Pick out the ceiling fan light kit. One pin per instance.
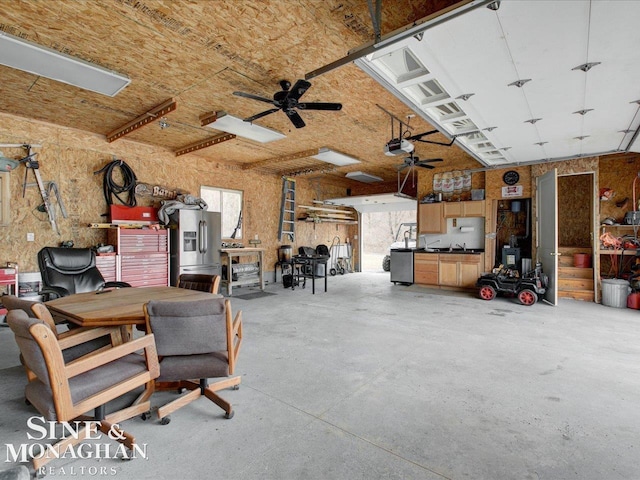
(30, 57)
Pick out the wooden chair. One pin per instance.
(63, 392)
(197, 281)
(195, 340)
(100, 339)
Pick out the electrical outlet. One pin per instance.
(31, 237)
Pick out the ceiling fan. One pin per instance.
(287, 100)
(414, 161)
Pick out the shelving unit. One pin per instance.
(620, 232)
(327, 215)
(228, 254)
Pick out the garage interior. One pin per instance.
(369, 379)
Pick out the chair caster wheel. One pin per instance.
(236, 387)
(145, 416)
(229, 415)
(165, 420)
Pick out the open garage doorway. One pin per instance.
(379, 231)
(380, 216)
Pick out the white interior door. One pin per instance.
(547, 225)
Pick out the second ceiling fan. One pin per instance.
(287, 100)
(414, 161)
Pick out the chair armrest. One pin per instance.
(116, 285)
(146, 343)
(49, 293)
(236, 341)
(77, 336)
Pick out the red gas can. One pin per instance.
(633, 300)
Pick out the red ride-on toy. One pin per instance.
(528, 287)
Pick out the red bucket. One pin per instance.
(633, 301)
(582, 260)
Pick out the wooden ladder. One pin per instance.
(288, 209)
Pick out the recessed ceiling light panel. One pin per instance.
(230, 124)
(33, 58)
(335, 158)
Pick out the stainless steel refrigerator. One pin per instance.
(195, 241)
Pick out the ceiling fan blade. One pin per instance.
(254, 97)
(298, 89)
(319, 106)
(424, 165)
(295, 118)
(260, 115)
(430, 160)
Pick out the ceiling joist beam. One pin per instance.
(286, 158)
(192, 147)
(153, 114)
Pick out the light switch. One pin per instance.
(31, 237)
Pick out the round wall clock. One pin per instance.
(511, 177)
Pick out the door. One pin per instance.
(210, 238)
(189, 230)
(547, 225)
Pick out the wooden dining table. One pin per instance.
(118, 306)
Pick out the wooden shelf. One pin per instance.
(327, 215)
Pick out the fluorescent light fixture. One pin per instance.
(230, 124)
(45, 62)
(336, 158)
(363, 177)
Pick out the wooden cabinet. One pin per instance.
(448, 275)
(464, 209)
(142, 258)
(425, 268)
(448, 269)
(430, 218)
(470, 269)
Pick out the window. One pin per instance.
(229, 204)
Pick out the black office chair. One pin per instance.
(66, 271)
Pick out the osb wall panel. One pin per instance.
(494, 182)
(617, 173)
(70, 157)
(574, 211)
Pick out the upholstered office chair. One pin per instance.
(40, 311)
(64, 392)
(195, 340)
(197, 281)
(66, 271)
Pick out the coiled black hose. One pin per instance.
(112, 189)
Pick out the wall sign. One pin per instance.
(513, 191)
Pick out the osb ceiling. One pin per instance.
(199, 52)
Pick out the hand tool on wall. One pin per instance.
(46, 192)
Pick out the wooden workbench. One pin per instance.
(228, 254)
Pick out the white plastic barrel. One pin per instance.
(615, 292)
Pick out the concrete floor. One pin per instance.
(372, 380)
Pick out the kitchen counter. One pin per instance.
(470, 251)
